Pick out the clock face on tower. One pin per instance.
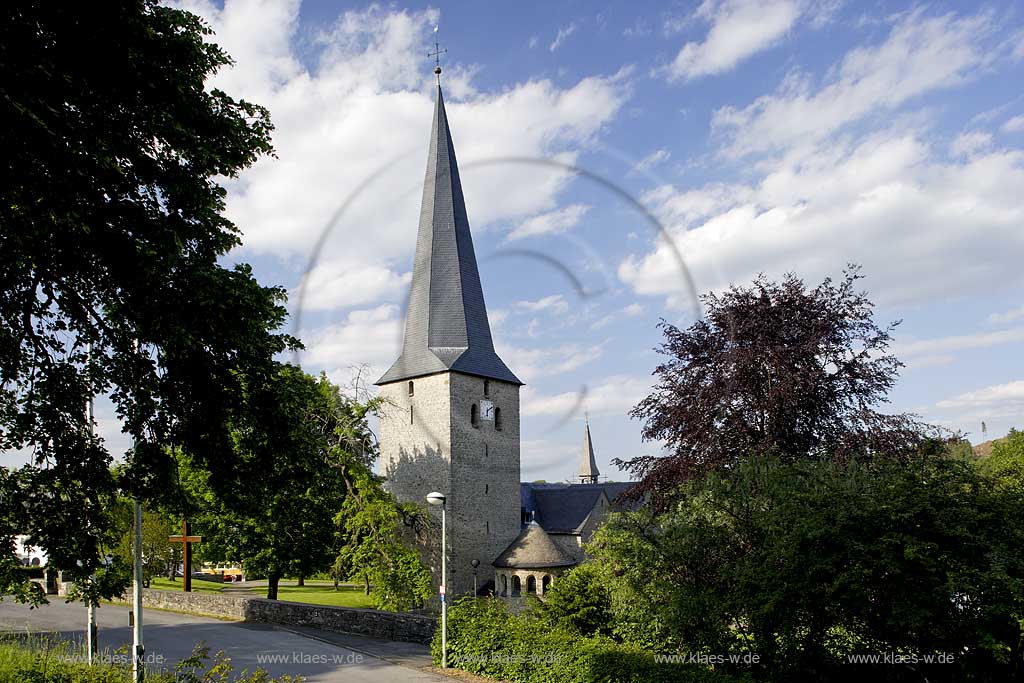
(487, 410)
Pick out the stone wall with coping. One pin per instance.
(401, 626)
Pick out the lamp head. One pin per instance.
(475, 563)
(435, 498)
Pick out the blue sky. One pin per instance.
(765, 136)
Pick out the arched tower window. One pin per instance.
(487, 387)
(474, 415)
(497, 419)
(516, 586)
(531, 584)
(411, 388)
(545, 584)
(410, 414)
(504, 585)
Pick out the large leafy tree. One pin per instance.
(773, 368)
(111, 277)
(808, 562)
(280, 520)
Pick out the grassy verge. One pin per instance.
(42, 659)
(165, 584)
(345, 596)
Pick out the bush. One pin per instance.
(36, 659)
(485, 639)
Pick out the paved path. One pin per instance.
(314, 655)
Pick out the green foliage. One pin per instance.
(41, 660)
(111, 236)
(579, 600)
(157, 551)
(282, 521)
(484, 638)
(1006, 463)
(373, 530)
(805, 563)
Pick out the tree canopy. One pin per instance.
(773, 368)
(112, 233)
(805, 563)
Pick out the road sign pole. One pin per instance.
(444, 587)
(138, 673)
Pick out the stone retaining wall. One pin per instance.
(407, 627)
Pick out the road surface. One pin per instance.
(170, 637)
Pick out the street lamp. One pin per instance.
(474, 564)
(436, 498)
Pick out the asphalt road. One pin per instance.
(170, 637)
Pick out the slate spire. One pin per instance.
(446, 325)
(588, 472)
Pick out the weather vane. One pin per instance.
(436, 54)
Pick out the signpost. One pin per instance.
(186, 540)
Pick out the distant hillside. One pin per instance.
(984, 449)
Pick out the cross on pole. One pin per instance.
(436, 54)
(186, 540)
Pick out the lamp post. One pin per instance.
(474, 564)
(436, 498)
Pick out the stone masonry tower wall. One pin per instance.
(437, 447)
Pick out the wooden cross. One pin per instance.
(186, 540)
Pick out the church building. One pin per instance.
(450, 420)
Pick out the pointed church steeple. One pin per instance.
(588, 473)
(446, 326)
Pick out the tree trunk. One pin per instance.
(173, 569)
(272, 582)
(302, 580)
(335, 582)
(366, 580)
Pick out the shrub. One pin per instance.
(485, 639)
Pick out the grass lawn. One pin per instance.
(164, 584)
(345, 596)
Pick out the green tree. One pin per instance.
(804, 563)
(111, 283)
(1006, 462)
(580, 601)
(376, 532)
(281, 522)
(157, 550)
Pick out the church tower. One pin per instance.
(450, 422)
(588, 472)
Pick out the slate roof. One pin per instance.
(562, 508)
(446, 325)
(533, 549)
(588, 471)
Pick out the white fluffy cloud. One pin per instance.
(923, 353)
(739, 29)
(653, 159)
(1014, 125)
(922, 228)
(352, 123)
(617, 394)
(920, 54)
(998, 400)
(550, 222)
(366, 336)
(1007, 316)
